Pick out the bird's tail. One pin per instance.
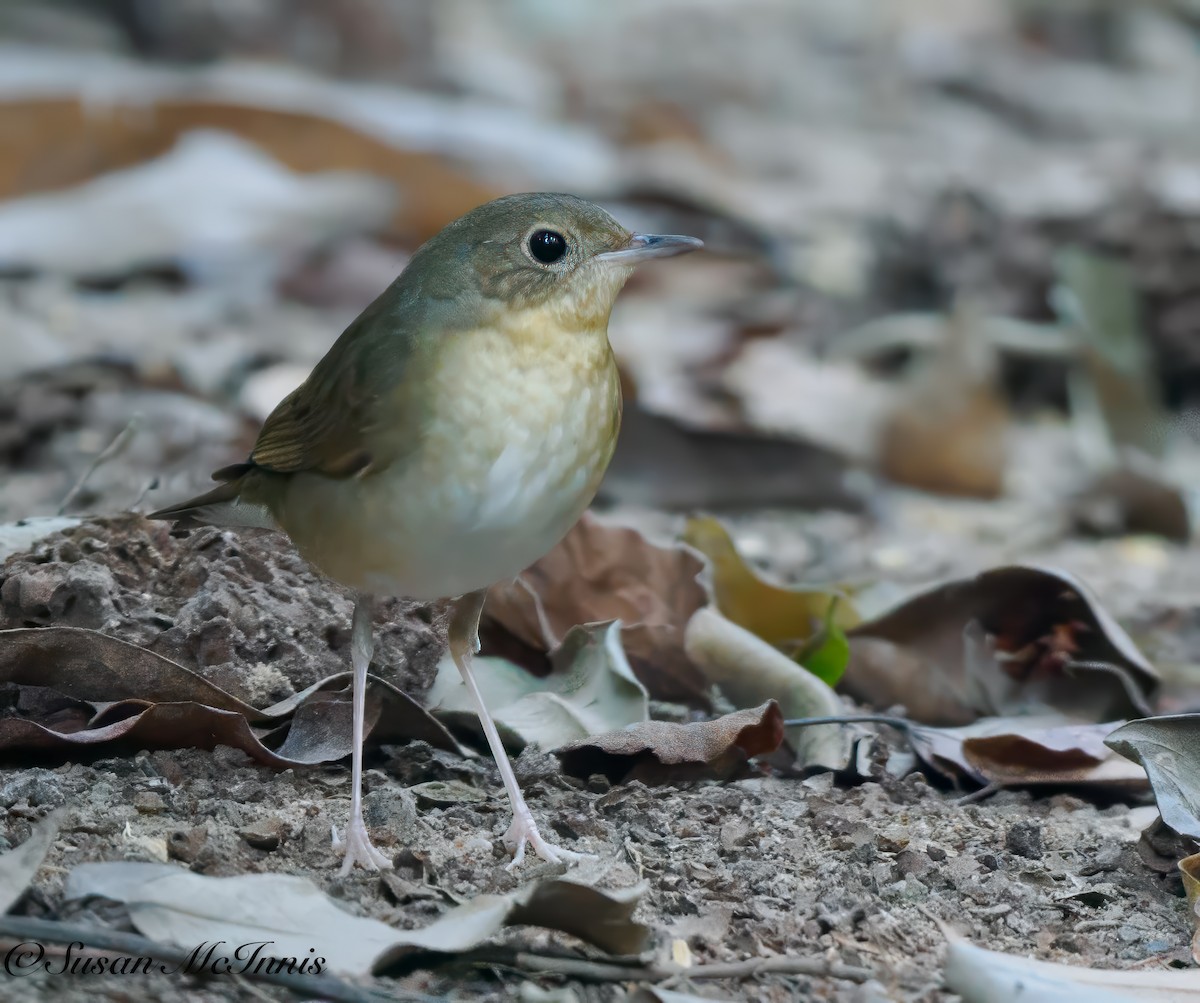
(225, 505)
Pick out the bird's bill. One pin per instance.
(644, 246)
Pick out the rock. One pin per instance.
(185, 844)
(265, 834)
(148, 803)
(394, 811)
(1025, 840)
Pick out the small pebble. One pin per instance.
(148, 803)
(1025, 840)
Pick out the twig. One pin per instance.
(149, 486)
(599, 971)
(549, 638)
(995, 787)
(111, 451)
(309, 986)
(895, 722)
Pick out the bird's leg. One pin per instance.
(464, 642)
(356, 847)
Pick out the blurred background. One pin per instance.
(953, 245)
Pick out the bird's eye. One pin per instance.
(547, 246)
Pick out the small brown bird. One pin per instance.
(451, 436)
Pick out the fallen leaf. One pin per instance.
(1114, 394)
(136, 697)
(948, 428)
(1169, 749)
(601, 572)
(1011, 640)
(214, 205)
(1189, 867)
(982, 976)
(59, 142)
(179, 907)
(749, 671)
(591, 689)
(789, 618)
(663, 462)
(661, 752)
(1134, 497)
(834, 405)
(19, 865)
(1018, 751)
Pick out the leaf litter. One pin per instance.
(1022, 670)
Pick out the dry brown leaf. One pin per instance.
(948, 430)
(661, 752)
(601, 572)
(83, 688)
(1011, 640)
(1017, 751)
(53, 143)
(1132, 498)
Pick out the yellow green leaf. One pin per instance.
(789, 618)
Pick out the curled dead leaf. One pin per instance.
(661, 752)
(601, 572)
(749, 671)
(948, 429)
(1169, 749)
(1011, 640)
(120, 693)
(1017, 751)
(174, 905)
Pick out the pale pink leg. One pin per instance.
(356, 847)
(464, 642)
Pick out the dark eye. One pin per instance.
(547, 246)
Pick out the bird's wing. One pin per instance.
(349, 417)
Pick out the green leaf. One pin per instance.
(827, 652)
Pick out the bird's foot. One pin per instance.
(356, 848)
(524, 831)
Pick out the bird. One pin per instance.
(449, 438)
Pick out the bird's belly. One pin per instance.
(470, 509)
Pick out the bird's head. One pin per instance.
(555, 254)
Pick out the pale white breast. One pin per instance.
(498, 479)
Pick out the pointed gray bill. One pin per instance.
(644, 246)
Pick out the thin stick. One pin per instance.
(27, 929)
(895, 722)
(111, 451)
(599, 971)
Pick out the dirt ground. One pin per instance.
(920, 166)
(857, 873)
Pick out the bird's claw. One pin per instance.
(357, 848)
(524, 831)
